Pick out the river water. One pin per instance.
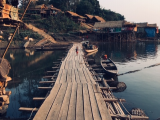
(27, 69)
(143, 86)
(136, 65)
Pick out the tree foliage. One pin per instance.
(87, 7)
(93, 7)
(61, 4)
(59, 23)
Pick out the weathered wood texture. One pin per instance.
(75, 95)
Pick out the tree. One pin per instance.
(39, 2)
(93, 7)
(61, 4)
(85, 7)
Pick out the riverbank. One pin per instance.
(61, 41)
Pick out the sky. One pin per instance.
(135, 10)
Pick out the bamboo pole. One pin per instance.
(15, 31)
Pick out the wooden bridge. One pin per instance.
(75, 95)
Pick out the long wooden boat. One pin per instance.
(91, 50)
(109, 66)
(92, 53)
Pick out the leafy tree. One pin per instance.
(59, 23)
(93, 7)
(85, 7)
(61, 4)
(39, 2)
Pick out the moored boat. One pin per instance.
(109, 66)
(91, 48)
(92, 53)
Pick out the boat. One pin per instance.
(85, 42)
(139, 113)
(92, 53)
(91, 48)
(109, 67)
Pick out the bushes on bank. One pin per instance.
(57, 24)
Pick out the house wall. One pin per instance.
(150, 31)
(140, 30)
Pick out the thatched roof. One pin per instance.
(88, 26)
(100, 19)
(83, 31)
(129, 24)
(50, 6)
(89, 16)
(74, 14)
(109, 24)
(142, 24)
(42, 6)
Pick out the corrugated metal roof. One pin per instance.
(152, 25)
(108, 24)
(142, 24)
(146, 25)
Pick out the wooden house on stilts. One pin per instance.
(147, 31)
(44, 10)
(75, 17)
(115, 31)
(9, 13)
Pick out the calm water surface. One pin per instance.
(27, 69)
(143, 86)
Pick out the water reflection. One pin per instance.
(27, 70)
(142, 85)
(129, 51)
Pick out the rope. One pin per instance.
(15, 31)
(157, 64)
(31, 114)
(126, 110)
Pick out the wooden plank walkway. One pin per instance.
(75, 95)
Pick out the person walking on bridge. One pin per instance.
(77, 50)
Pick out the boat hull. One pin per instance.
(109, 67)
(88, 51)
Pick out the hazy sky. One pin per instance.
(135, 10)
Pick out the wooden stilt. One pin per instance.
(47, 76)
(45, 88)
(52, 71)
(39, 98)
(114, 100)
(28, 109)
(107, 88)
(47, 82)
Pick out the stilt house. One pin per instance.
(50, 10)
(75, 17)
(147, 30)
(88, 18)
(97, 19)
(38, 9)
(115, 31)
(9, 13)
